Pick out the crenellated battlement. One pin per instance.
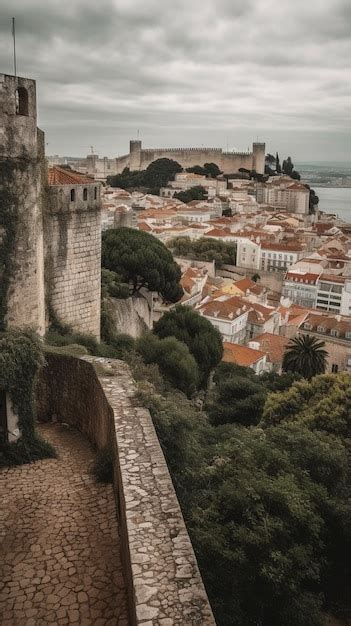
(151, 150)
(243, 154)
(140, 158)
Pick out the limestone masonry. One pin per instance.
(229, 162)
(57, 247)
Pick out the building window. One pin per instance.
(85, 194)
(95, 193)
(334, 332)
(348, 335)
(21, 101)
(335, 368)
(320, 329)
(73, 195)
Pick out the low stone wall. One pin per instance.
(163, 580)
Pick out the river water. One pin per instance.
(335, 200)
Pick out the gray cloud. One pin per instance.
(187, 73)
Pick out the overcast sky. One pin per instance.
(187, 73)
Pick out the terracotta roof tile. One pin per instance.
(241, 355)
(63, 176)
(273, 345)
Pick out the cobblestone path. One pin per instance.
(59, 545)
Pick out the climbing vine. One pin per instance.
(9, 217)
(21, 357)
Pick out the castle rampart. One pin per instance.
(160, 568)
(73, 255)
(22, 171)
(229, 162)
(50, 235)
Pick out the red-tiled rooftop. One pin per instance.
(63, 176)
(273, 345)
(241, 355)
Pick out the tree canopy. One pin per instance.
(267, 506)
(156, 175)
(194, 193)
(141, 260)
(173, 358)
(160, 172)
(205, 249)
(209, 169)
(203, 340)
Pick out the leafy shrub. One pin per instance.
(173, 358)
(203, 340)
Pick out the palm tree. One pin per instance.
(305, 355)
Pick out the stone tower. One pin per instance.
(258, 157)
(72, 239)
(22, 172)
(135, 155)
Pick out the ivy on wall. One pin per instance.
(21, 357)
(9, 217)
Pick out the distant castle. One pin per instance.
(139, 158)
(50, 226)
(228, 162)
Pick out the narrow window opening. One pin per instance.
(95, 193)
(85, 194)
(73, 195)
(21, 101)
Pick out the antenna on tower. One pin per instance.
(14, 45)
(138, 132)
(92, 149)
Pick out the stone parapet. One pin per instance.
(164, 583)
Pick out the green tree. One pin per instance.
(194, 193)
(196, 169)
(156, 175)
(203, 340)
(237, 400)
(278, 168)
(205, 249)
(288, 166)
(174, 360)
(160, 172)
(270, 159)
(141, 260)
(111, 285)
(323, 403)
(306, 356)
(261, 530)
(127, 179)
(212, 170)
(313, 200)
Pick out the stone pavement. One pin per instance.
(59, 543)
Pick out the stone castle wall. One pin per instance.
(228, 162)
(22, 157)
(160, 568)
(73, 257)
(130, 315)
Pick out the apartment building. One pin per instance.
(335, 331)
(229, 315)
(278, 257)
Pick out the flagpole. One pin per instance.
(14, 45)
